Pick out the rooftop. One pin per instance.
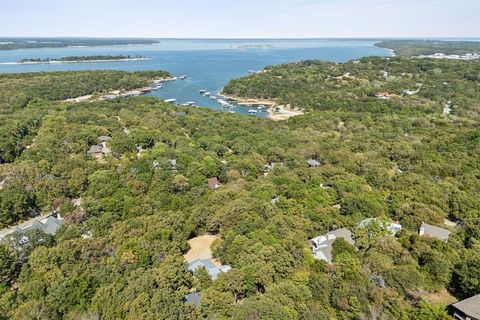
(470, 306)
(212, 269)
(429, 230)
(322, 245)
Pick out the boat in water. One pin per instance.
(252, 112)
(182, 77)
(207, 94)
(202, 91)
(171, 100)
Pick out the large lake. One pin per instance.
(209, 64)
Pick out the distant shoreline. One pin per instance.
(73, 61)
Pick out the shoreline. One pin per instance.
(275, 111)
(117, 93)
(71, 62)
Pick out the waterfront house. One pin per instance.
(213, 183)
(430, 231)
(212, 269)
(394, 228)
(322, 246)
(468, 309)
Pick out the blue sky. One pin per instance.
(240, 18)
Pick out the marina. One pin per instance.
(199, 66)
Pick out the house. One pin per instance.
(173, 164)
(383, 95)
(427, 230)
(97, 151)
(212, 269)
(322, 245)
(394, 228)
(213, 183)
(313, 163)
(47, 223)
(193, 298)
(468, 309)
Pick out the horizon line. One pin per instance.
(246, 38)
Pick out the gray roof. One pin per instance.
(429, 230)
(51, 225)
(95, 149)
(104, 138)
(470, 306)
(193, 298)
(212, 269)
(322, 246)
(48, 224)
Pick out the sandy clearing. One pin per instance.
(200, 249)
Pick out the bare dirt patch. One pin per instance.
(200, 249)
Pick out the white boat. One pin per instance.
(223, 103)
(190, 103)
(202, 91)
(207, 94)
(171, 100)
(231, 111)
(213, 98)
(251, 111)
(182, 77)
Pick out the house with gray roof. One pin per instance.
(322, 246)
(193, 298)
(212, 269)
(468, 309)
(47, 223)
(313, 163)
(430, 231)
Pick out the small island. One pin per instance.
(80, 59)
(251, 46)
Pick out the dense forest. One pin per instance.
(31, 43)
(81, 58)
(410, 48)
(398, 157)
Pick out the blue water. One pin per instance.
(209, 64)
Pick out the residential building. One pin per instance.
(428, 230)
(212, 269)
(47, 223)
(313, 163)
(322, 245)
(468, 309)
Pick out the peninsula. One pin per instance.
(79, 59)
